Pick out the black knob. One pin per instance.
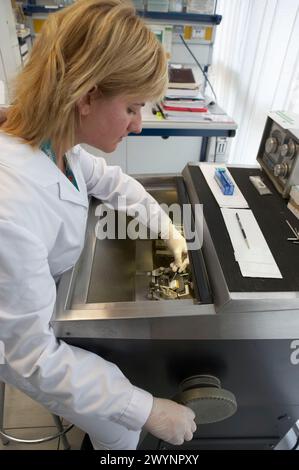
(281, 169)
(271, 145)
(204, 395)
(289, 149)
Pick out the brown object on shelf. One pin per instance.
(181, 78)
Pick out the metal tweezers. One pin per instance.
(295, 232)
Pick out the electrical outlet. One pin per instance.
(218, 149)
(221, 145)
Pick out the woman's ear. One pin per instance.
(94, 93)
(84, 103)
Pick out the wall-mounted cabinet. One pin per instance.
(143, 155)
(198, 30)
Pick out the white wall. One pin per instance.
(255, 67)
(10, 58)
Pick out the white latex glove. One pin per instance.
(177, 244)
(171, 422)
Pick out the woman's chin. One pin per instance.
(111, 148)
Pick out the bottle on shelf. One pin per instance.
(176, 5)
(158, 5)
(205, 7)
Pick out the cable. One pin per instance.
(215, 150)
(202, 70)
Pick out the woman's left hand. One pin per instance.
(177, 244)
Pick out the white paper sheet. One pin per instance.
(237, 200)
(259, 270)
(257, 260)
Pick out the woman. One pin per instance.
(90, 72)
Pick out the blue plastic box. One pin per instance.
(225, 183)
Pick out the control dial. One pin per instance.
(289, 149)
(281, 170)
(271, 145)
(205, 396)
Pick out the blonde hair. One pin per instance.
(92, 43)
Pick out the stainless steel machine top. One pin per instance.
(122, 302)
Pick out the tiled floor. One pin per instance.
(26, 419)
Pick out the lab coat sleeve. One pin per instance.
(69, 381)
(121, 192)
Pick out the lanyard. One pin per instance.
(47, 149)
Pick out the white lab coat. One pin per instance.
(42, 229)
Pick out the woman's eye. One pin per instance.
(131, 111)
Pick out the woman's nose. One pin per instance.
(136, 124)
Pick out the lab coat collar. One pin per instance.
(67, 190)
(38, 167)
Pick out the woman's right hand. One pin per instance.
(3, 112)
(171, 422)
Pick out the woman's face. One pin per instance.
(104, 122)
